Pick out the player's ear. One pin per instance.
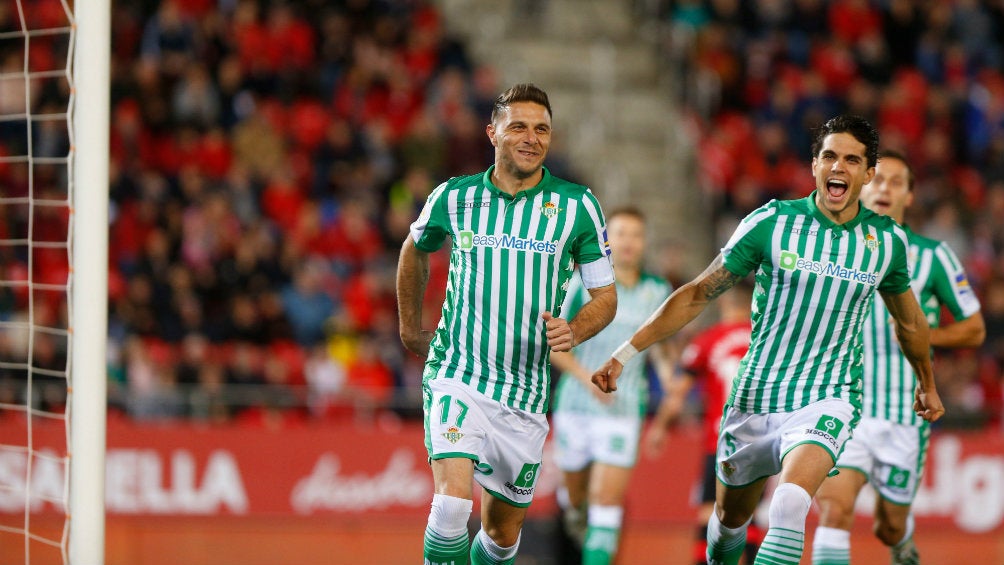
(490, 130)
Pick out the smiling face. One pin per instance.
(840, 169)
(521, 136)
(889, 192)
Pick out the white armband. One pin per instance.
(624, 353)
(598, 273)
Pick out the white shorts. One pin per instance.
(751, 446)
(581, 439)
(506, 444)
(891, 456)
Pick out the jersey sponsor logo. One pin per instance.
(468, 240)
(524, 480)
(550, 210)
(804, 231)
(476, 204)
(453, 434)
(871, 243)
(606, 243)
(791, 261)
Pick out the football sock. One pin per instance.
(785, 537)
(602, 535)
(831, 546)
(905, 552)
(446, 537)
(573, 518)
(725, 545)
(484, 551)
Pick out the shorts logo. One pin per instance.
(617, 444)
(528, 475)
(898, 477)
(728, 468)
(828, 428)
(830, 425)
(453, 434)
(525, 480)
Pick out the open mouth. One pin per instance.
(836, 188)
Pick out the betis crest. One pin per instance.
(550, 209)
(453, 434)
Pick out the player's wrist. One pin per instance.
(625, 352)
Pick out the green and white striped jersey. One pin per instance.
(815, 283)
(938, 279)
(512, 259)
(634, 305)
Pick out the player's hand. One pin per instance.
(927, 404)
(606, 377)
(586, 378)
(559, 333)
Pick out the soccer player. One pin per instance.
(890, 444)
(517, 233)
(818, 261)
(710, 359)
(597, 435)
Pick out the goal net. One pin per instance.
(53, 269)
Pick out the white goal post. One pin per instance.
(89, 292)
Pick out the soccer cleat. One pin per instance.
(905, 554)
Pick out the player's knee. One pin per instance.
(834, 511)
(889, 532)
(789, 506)
(503, 537)
(449, 515)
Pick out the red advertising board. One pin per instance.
(345, 471)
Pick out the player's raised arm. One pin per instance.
(685, 304)
(412, 277)
(912, 331)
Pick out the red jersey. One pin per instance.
(712, 358)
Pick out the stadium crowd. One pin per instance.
(268, 157)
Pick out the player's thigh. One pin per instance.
(453, 476)
(806, 465)
(836, 497)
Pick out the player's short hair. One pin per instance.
(893, 154)
(524, 92)
(860, 128)
(632, 211)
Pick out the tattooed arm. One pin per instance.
(677, 311)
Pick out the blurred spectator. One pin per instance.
(308, 305)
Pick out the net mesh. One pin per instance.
(36, 157)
